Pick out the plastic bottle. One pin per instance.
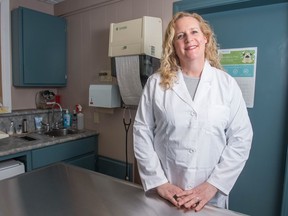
(66, 119)
(80, 118)
(74, 120)
(19, 129)
(24, 127)
(11, 130)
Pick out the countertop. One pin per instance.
(63, 189)
(17, 143)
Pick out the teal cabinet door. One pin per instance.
(87, 162)
(81, 152)
(38, 48)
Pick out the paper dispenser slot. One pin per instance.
(128, 49)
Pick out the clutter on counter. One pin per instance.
(80, 117)
(3, 135)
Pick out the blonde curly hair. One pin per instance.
(170, 63)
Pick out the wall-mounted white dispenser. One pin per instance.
(104, 95)
(135, 48)
(135, 37)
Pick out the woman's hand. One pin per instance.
(197, 197)
(168, 191)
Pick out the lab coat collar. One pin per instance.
(206, 75)
(205, 82)
(204, 85)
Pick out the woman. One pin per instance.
(192, 133)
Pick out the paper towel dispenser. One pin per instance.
(135, 48)
(105, 96)
(135, 37)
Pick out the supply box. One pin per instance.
(135, 37)
(11, 168)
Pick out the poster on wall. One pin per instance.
(240, 63)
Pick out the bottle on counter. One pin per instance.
(19, 129)
(66, 119)
(80, 117)
(11, 129)
(74, 120)
(24, 126)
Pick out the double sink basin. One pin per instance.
(61, 132)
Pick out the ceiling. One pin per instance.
(51, 1)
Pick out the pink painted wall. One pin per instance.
(88, 35)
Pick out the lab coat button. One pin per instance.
(192, 150)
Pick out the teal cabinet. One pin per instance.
(39, 49)
(87, 161)
(80, 152)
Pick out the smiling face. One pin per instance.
(189, 41)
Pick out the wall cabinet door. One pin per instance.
(38, 48)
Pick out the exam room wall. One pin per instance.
(88, 39)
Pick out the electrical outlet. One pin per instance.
(105, 76)
(108, 78)
(102, 78)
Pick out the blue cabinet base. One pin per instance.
(81, 152)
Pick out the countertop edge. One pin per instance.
(16, 144)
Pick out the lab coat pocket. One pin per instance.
(213, 137)
(218, 118)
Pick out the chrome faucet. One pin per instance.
(55, 124)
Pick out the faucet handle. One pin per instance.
(46, 126)
(58, 124)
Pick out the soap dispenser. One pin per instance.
(66, 119)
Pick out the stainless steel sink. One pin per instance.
(61, 132)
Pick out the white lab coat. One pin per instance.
(187, 142)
